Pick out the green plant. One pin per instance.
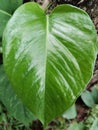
(77, 126)
(44, 57)
(13, 104)
(92, 119)
(90, 98)
(7, 122)
(71, 113)
(7, 8)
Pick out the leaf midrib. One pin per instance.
(47, 32)
(6, 13)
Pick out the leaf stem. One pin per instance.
(45, 4)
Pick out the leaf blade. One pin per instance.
(10, 6)
(4, 17)
(50, 60)
(12, 103)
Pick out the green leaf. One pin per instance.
(4, 17)
(10, 5)
(49, 59)
(70, 113)
(7, 7)
(76, 126)
(13, 104)
(95, 125)
(0, 50)
(94, 93)
(88, 99)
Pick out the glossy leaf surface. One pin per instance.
(50, 56)
(13, 104)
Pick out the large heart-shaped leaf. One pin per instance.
(50, 56)
(13, 104)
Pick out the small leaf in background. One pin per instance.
(70, 113)
(94, 93)
(44, 57)
(92, 116)
(7, 7)
(4, 17)
(10, 6)
(77, 126)
(88, 99)
(95, 125)
(13, 104)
